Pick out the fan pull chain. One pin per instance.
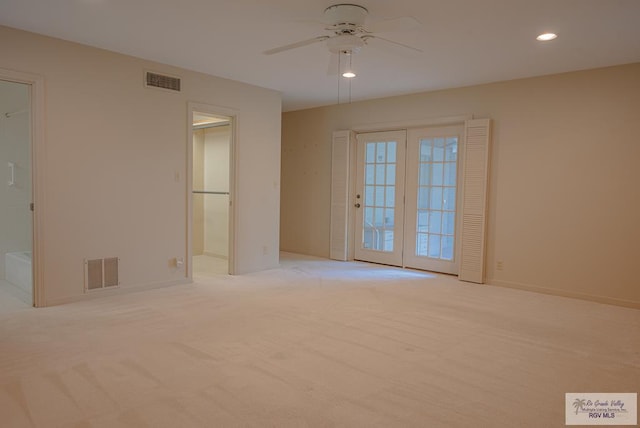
(338, 74)
(350, 69)
(350, 90)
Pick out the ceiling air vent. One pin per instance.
(162, 81)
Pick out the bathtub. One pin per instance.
(18, 271)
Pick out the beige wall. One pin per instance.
(564, 200)
(115, 163)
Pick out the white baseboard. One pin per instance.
(116, 291)
(565, 293)
(216, 255)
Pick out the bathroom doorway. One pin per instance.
(212, 142)
(16, 195)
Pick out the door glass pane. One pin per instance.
(368, 216)
(425, 174)
(380, 173)
(369, 174)
(449, 174)
(378, 217)
(379, 201)
(435, 221)
(423, 198)
(371, 153)
(436, 216)
(379, 196)
(388, 240)
(438, 149)
(449, 198)
(434, 246)
(452, 149)
(368, 195)
(448, 223)
(422, 244)
(447, 248)
(368, 239)
(381, 153)
(425, 150)
(436, 176)
(423, 221)
(391, 196)
(391, 152)
(389, 218)
(436, 198)
(391, 174)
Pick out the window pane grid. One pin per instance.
(379, 200)
(436, 197)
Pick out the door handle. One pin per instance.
(357, 205)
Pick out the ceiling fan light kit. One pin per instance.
(345, 42)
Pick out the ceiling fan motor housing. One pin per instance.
(340, 14)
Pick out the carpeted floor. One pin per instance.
(316, 343)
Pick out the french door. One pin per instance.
(380, 197)
(407, 198)
(432, 199)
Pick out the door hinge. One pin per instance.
(31, 206)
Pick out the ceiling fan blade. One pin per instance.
(396, 24)
(368, 37)
(295, 45)
(332, 68)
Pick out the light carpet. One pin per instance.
(315, 343)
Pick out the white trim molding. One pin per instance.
(415, 123)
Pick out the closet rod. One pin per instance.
(206, 192)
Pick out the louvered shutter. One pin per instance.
(339, 195)
(474, 199)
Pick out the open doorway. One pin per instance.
(212, 139)
(16, 218)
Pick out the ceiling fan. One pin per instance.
(347, 22)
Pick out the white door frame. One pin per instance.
(37, 175)
(233, 168)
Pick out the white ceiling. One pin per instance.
(465, 42)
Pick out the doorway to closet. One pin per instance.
(212, 138)
(16, 196)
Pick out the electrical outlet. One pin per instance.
(176, 263)
(499, 265)
(265, 250)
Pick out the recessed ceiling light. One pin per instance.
(349, 74)
(546, 37)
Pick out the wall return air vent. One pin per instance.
(101, 273)
(162, 81)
